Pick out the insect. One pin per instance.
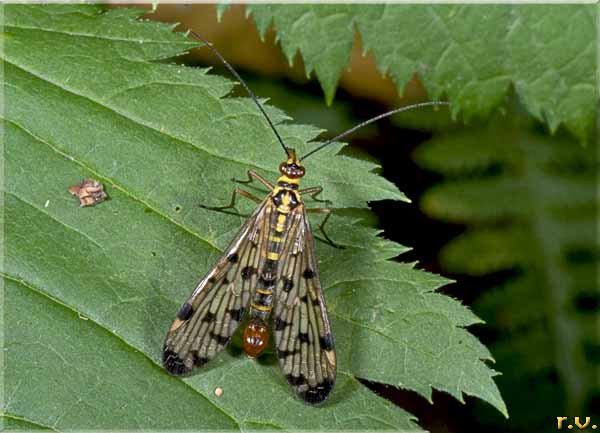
(267, 275)
(90, 192)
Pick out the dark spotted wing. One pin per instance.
(303, 338)
(208, 319)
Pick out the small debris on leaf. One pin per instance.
(90, 192)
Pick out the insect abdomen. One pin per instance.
(256, 337)
(262, 300)
(256, 334)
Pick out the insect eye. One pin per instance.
(293, 170)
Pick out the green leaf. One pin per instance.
(547, 52)
(90, 292)
(530, 204)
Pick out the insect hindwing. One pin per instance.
(208, 319)
(303, 338)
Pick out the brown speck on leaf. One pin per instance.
(89, 192)
(218, 391)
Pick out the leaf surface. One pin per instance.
(470, 54)
(90, 292)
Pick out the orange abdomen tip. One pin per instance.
(256, 337)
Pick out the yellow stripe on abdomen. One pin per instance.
(261, 307)
(280, 226)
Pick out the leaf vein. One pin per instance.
(129, 116)
(22, 418)
(115, 184)
(41, 210)
(186, 43)
(46, 294)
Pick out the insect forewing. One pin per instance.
(303, 338)
(207, 320)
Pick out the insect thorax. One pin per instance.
(285, 196)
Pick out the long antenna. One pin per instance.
(244, 85)
(374, 119)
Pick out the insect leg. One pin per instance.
(231, 205)
(314, 191)
(328, 213)
(252, 174)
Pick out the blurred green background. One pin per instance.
(499, 205)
